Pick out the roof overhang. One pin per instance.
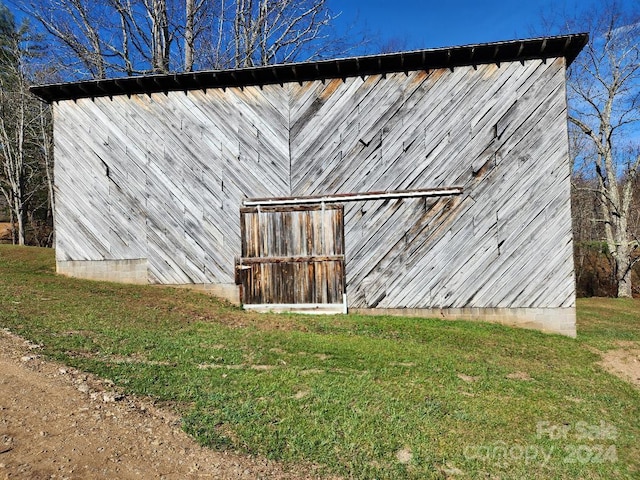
(567, 46)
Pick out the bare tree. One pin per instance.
(104, 38)
(12, 121)
(23, 121)
(13, 165)
(160, 34)
(111, 37)
(189, 27)
(278, 31)
(44, 141)
(604, 99)
(77, 26)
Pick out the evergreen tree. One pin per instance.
(8, 37)
(25, 138)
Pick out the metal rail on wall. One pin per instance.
(352, 197)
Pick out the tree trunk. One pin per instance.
(623, 277)
(47, 151)
(19, 179)
(18, 213)
(12, 222)
(624, 286)
(189, 35)
(160, 36)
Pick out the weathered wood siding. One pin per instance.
(162, 177)
(500, 132)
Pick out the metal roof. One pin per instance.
(567, 46)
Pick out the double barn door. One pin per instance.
(292, 257)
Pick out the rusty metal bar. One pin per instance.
(353, 197)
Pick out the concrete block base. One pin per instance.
(548, 320)
(135, 272)
(226, 291)
(120, 271)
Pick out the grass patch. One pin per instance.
(364, 397)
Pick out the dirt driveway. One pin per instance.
(58, 423)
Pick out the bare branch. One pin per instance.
(605, 88)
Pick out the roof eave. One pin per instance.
(567, 46)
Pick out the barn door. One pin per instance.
(292, 258)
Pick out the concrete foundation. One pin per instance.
(548, 320)
(135, 272)
(120, 271)
(226, 291)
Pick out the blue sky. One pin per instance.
(426, 24)
(416, 24)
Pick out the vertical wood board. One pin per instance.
(292, 255)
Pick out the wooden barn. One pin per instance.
(427, 183)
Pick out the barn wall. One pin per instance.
(500, 132)
(158, 180)
(162, 177)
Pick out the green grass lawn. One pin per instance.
(363, 397)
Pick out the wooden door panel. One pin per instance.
(292, 255)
